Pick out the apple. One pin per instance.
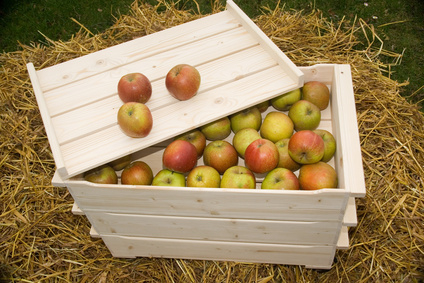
(180, 156)
(261, 156)
(276, 126)
(285, 161)
(121, 162)
(305, 115)
(196, 138)
(306, 147)
(243, 138)
(248, 118)
(137, 173)
(183, 81)
(317, 176)
(169, 178)
(263, 106)
(317, 93)
(220, 155)
(102, 175)
(135, 119)
(204, 177)
(280, 179)
(284, 101)
(134, 87)
(329, 144)
(217, 130)
(238, 177)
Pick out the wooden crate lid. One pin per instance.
(239, 65)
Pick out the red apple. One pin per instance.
(276, 126)
(261, 156)
(196, 138)
(134, 87)
(121, 162)
(220, 155)
(169, 178)
(217, 130)
(280, 179)
(248, 118)
(243, 138)
(135, 119)
(317, 93)
(183, 81)
(238, 177)
(306, 147)
(285, 161)
(204, 177)
(180, 156)
(317, 176)
(305, 115)
(102, 175)
(330, 144)
(137, 173)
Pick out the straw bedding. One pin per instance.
(42, 241)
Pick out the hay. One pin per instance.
(42, 241)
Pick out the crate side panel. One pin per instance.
(313, 255)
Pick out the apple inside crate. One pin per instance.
(283, 227)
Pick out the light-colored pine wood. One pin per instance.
(350, 218)
(76, 210)
(93, 233)
(343, 241)
(316, 256)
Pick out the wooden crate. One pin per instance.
(240, 67)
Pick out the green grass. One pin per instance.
(399, 23)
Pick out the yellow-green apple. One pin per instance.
(180, 156)
(220, 155)
(248, 118)
(306, 147)
(276, 126)
(137, 173)
(183, 81)
(135, 119)
(134, 87)
(217, 130)
(280, 179)
(121, 162)
(285, 161)
(261, 156)
(330, 144)
(169, 178)
(204, 177)
(317, 176)
(243, 138)
(284, 101)
(263, 106)
(317, 93)
(238, 177)
(102, 175)
(195, 137)
(305, 115)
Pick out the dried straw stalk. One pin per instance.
(41, 241)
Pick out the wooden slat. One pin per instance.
(343, 241)
(350, 218)
(313, 256)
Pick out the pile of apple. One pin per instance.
(286, 141)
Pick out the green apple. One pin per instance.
(276, 126)
(285, 101)
(102, 175)
(196, 138)
(317, 93)
(121, 163)
(217, 130)
(280, 179)
(220, 155)
(169, 178)
(329, 144)
(263, 106)
(306, 147)
(285, 161)
(204, 177)
(137, 173)
(305, 115)
(238, 177)
(243, 138)
(248, 118)
(317, 176)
